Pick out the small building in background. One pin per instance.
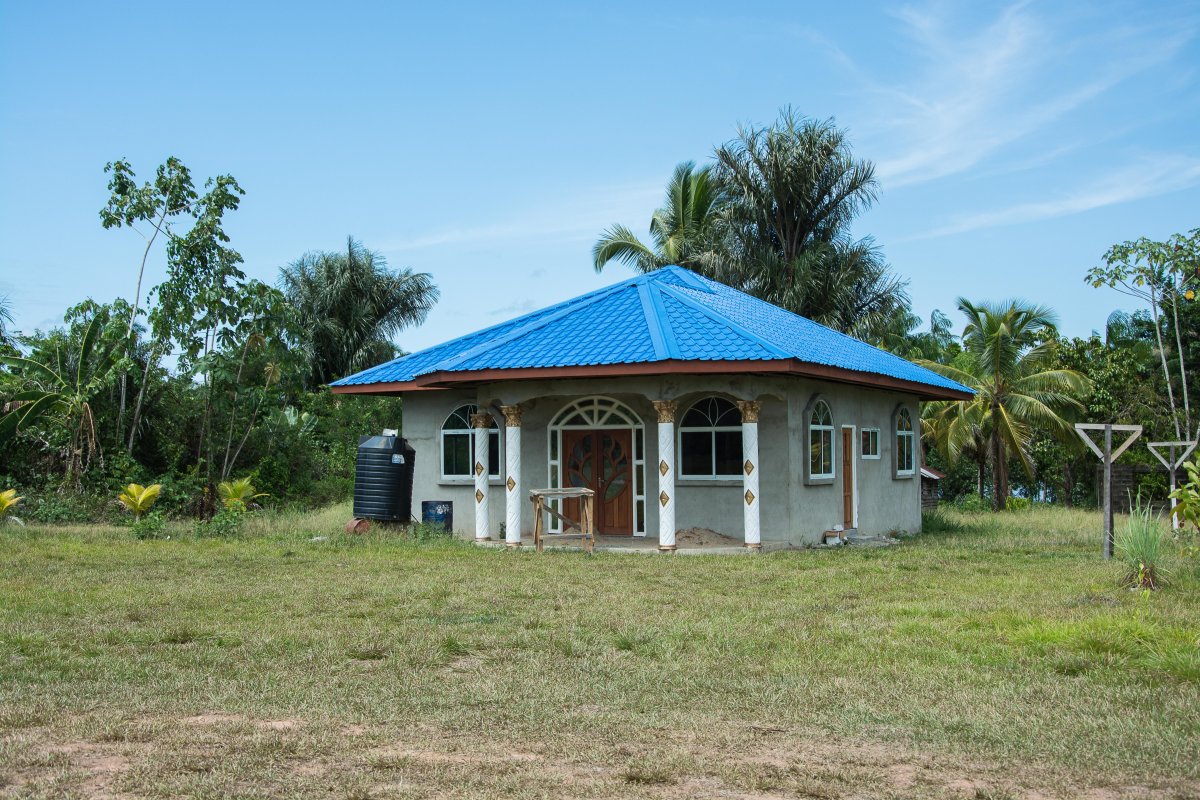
(930, 487)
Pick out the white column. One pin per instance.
(512, 467)
(666, 474)
(482, 423)
(750, 513)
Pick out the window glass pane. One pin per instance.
(641, 478)
(826, 452)
(456, 454)
(696, 417)
(641, 515)
(639, 445)
(695, 452)
(554, 445)
(494, 454)
(814, 452)
(729, 452)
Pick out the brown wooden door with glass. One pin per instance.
(601, 460)
(847, 477)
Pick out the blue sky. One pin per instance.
(489, 144)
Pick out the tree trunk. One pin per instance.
(137, 408)
(1068, 485)
(999, 497)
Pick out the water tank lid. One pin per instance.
(390, 431)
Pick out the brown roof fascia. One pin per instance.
(444, 380)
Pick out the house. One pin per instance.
(682, 402)
(930, 489)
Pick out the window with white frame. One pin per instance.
(869, 438)
(906, 441)
(458, 445)
(710, 440)
(820, 441)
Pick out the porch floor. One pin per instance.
(644, 545)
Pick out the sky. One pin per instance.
(489, 144)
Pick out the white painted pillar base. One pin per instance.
(750, 472)
(512, 481)
(482, 424)
(666, 474)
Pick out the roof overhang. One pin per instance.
(791, 366)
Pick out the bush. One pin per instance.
(1018, 504)
(150, 526)
(1140, 545)
(225, 524)
(972, 504)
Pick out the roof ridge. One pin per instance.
(726, 321)
(659, 335)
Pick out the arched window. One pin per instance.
(710, 440)
(820, 441)
(906, 453)
(458, 445)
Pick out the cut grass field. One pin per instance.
(990, 657)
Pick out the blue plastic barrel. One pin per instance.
(438, 512)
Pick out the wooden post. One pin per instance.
(1108, 456)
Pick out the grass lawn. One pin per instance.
(991, 657)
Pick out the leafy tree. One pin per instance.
(1008, 360)
(62, 390)
(6, 321)
(350, 306)
(681, 231)
(1165, 275)
(795, 188)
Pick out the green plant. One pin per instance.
(1018, 504)
(225, 524)
(139, 499)
(1187, 496)
(972, 504)
(1140, 545)
(239, 495)
(151, 525)
(8, 501)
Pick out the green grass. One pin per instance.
(991, 656)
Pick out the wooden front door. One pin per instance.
(601, 460)
(848, 477)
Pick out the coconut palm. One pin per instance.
(680, 230)
(351, 305)
(6, 320)
(1008, 351)
(794, 189)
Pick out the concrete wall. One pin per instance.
(791, 510)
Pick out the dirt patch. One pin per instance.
(214, 718)
(703, 537)
(101, 763)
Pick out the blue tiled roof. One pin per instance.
(670, 314)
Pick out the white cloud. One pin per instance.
(1148, 177)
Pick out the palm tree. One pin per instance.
(794, 189)
(351, 305)
(6, 320)
(64, 389)
(680, 229)
(1008, 351)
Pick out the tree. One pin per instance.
(195, 258)
(6, 320)
(681, 230)
(1008, 360)
(794, 189)
(350, 306)
(62, 389)
(1164, 275)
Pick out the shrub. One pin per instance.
(151, 525)
(225, 524)
(1187, 496)
(9, 501)
(238, 495)
(1018, 504)
(1140, 545)
(972, 504)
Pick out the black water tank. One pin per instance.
(383, 478)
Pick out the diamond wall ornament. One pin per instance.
(664, 498)
(663, 468)
(749, 497)
(478, 468)
(478, 496)
(511, 483)
(748, 466)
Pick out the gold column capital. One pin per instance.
(666, 409)
(512, 415)
(749, 409)
(482, 419)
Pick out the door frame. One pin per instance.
(600, 409)
(854, 448)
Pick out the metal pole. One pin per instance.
(1108, 510)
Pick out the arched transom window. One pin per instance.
(906, 453)
(710, 440)
(820, 441)
(458, 445)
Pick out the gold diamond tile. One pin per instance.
(478, 468)
(511, 483)
(478, 496)
(663, 469)
(749, 497)
(748, 466)
(664, 498)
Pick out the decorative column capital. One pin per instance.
(749, 409)
(512, 415)
(666, 410)
(482, 419)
